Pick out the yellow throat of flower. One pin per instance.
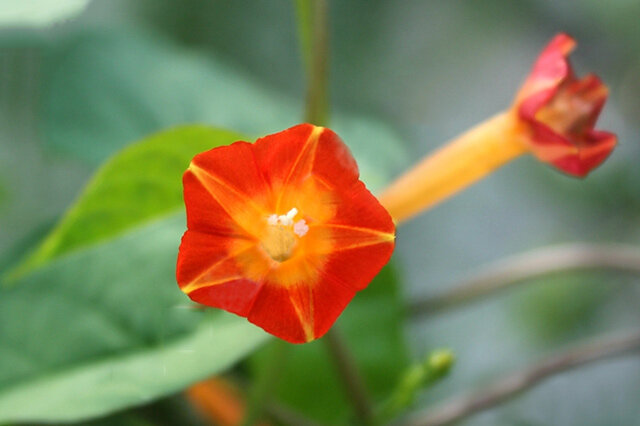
(282, 235)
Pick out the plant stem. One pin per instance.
(511, 385)
(305, 25)
(523, 267)
(266, 383)
(348, 373)
(317, 112)
(317, 106)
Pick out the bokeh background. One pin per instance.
(409, 75)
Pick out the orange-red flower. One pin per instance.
(552, 117)
(281, 231)
(561, 110)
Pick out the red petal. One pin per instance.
(334, 162)
(273, 310)
(290, 157)
(286, 155)
(235, 165)
(549, 70)
(598, 147)
(204, 213)
(235, 296)
(560, 112)
(356, 206)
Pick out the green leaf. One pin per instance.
(103, 90)
(106, 328)
(39, 12)
(373, 328)
(139, 184)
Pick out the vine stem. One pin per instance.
(511, 385)
(316, 15)
(317, 104)
(348, 373)
(534, 264)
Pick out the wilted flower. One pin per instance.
(561, 110)
(552, 117)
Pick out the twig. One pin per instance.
(348, 373)
(511, 385)
(537, 263)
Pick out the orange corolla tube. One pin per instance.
(281, 231)
(553, 118)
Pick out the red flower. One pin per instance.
(281, 231)
(560, 111)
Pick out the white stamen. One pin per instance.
(284, 220)
(292, 213)
(300, 228)
(273, 219)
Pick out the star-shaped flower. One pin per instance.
(281, 231)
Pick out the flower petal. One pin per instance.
(549, 70)
(274, 311)
(559, 112)
(230, 176)
(356, 206)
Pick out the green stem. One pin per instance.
(348, 373)
(313, 28)
(305, 25)
(266, 383)
(317, 106)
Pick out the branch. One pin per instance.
(537, 263)
(348, 373)
(511, 385)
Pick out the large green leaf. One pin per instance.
(139, 184)
(103, 90)
(106, 328)
(372, 326)
(38, 12)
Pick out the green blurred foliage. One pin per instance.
(139, 184)
(562, 307)
(126, 84)
(38, 12)
(107, 328)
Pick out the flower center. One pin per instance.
(282, 235)
(571, 110)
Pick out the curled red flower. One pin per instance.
(281, 231)
(561, 111)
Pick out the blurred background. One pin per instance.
(408, 75)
